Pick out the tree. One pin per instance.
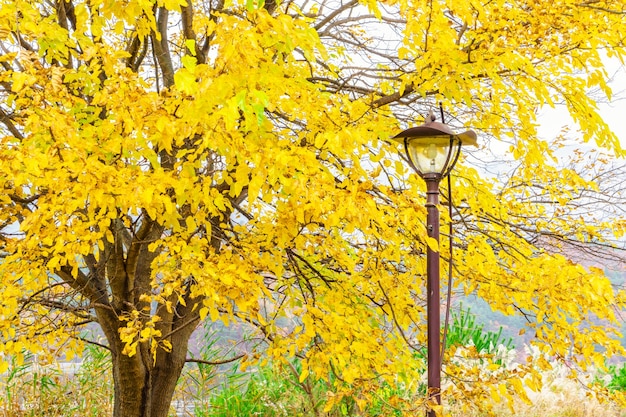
(165, 163)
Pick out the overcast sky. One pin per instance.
(614, 113)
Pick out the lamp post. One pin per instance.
(432, 150)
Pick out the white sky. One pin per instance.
(552, 120)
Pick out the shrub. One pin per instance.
(464, 331)
(617, 378)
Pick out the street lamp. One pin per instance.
(432, 150)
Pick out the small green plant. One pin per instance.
(268, 391)
(618, 378)
(465, 332)
(94, 383)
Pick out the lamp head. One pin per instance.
(433, 148)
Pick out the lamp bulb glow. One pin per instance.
(431, 153)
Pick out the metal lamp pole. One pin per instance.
(432, 291)
(432, 149)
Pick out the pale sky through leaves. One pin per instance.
(553, 120)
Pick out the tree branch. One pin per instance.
(161, 48)
(214, 363)
(6, 120)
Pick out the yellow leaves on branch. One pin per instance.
(529, 54)
(139, 331)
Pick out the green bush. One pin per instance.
(618, 378)
(464, 331)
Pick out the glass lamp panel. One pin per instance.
(430, 155)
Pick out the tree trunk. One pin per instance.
(144, 383)
(143, 390)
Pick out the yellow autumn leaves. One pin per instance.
(237, 163)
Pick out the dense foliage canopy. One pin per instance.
(169, 162)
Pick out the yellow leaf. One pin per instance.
(215, 314)
(147, 195)
(432, 244)
(185, 81)
(189, 62)
(495, 395)
(303, 375)
(53, 263)
(191, 46)
(20, 80)
(166, 345)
